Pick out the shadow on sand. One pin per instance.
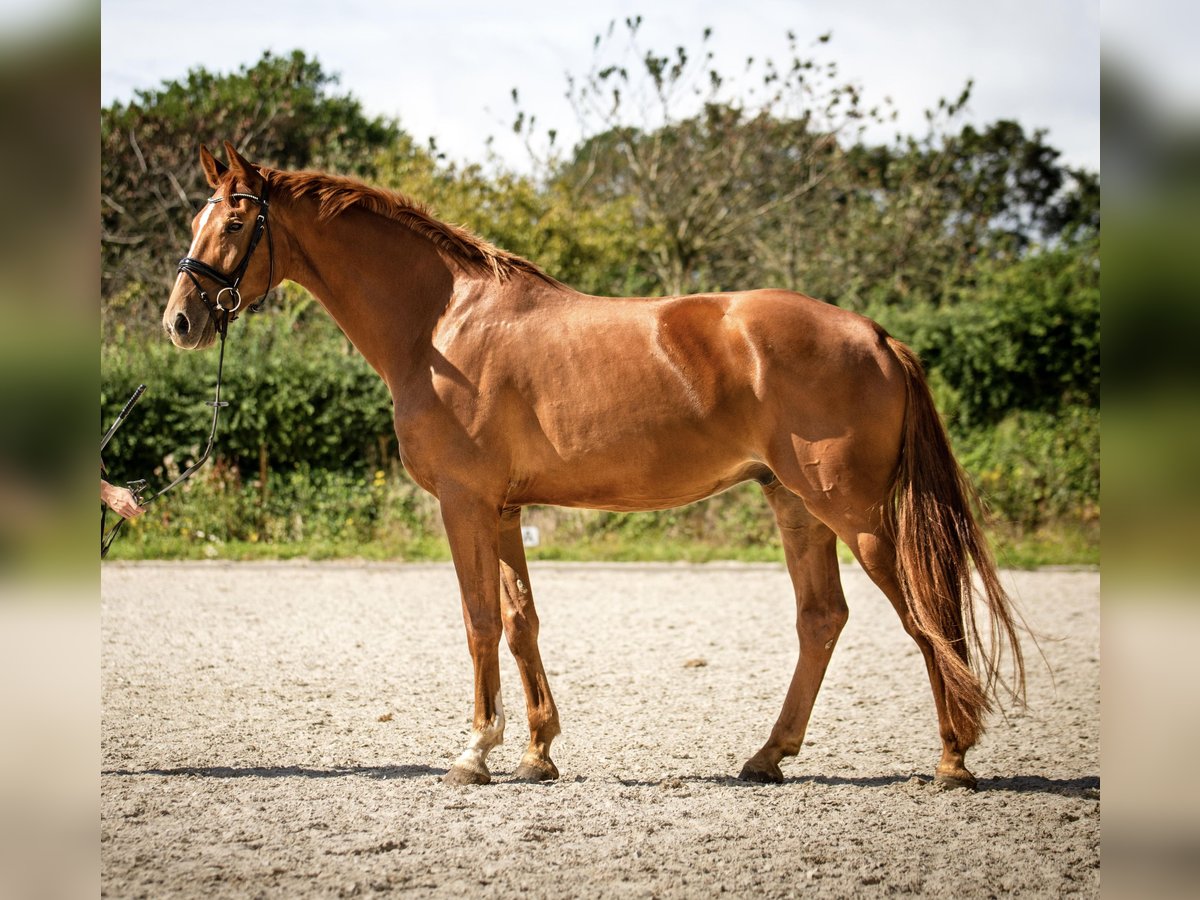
(380, 772)
(1087, 786)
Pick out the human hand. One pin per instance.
(120, 500)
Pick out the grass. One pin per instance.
(379, 516)
(1061, 544)
(1064, 544)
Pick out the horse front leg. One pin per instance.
(521, 629)
(472, 528)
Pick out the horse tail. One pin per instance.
(937, 538)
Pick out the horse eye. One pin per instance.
(233, 227)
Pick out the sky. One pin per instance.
(447, 69)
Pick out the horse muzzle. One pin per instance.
(190, 329)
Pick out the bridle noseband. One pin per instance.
(191, 267)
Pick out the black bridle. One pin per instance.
(222, 316)
(191, 267)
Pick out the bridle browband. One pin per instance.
(191, 267)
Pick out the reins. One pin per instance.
(222, 316)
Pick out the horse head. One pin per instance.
(221, 265)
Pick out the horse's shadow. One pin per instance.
(385, 773)
(1087, 786)
(1016, 784)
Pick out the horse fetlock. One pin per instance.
(471, 766)
(489, 733)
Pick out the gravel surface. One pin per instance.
(280, 730)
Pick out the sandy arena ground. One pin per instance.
(280, 730)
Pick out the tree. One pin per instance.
(911, 222)
(701, 163)
(766, 180)
(587, 245)
(281, 111)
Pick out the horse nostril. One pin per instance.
(181, 325)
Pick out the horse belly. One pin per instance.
(634, 463)
(626, 488)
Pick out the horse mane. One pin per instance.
(336, 193)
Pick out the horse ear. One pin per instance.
(214, 169)
(243, 168)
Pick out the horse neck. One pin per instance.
(384, 285)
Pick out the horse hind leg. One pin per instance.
(867, 535)
(876, 553)
(810, 550)
(521, 630)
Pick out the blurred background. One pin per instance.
(1151, 618)
(49, 270)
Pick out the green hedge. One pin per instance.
(1036, 468)
(1026, 337)
(299, 394)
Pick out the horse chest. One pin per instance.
(436, 446)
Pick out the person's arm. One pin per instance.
(119, 500)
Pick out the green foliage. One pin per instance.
(298, 395)
(1038, 467)
(1025, 336)
(913, 222)
(281, 111)
(310, 512)
(590, 246)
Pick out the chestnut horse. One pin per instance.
(512, 389)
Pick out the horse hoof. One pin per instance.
(761, 773)
(463, 775)
(954, 780)
(536, 770)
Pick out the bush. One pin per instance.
(298, 396)
(1035, 468)
(304, 511)
(1027, 336)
